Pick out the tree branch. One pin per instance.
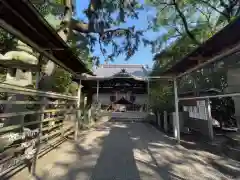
(215, 9)
(101, 48)
(179, 32)
(117, 32)
(82, 27)
(185, 24)
(207, 17)
(238, 11)
(230, 7)
(93, 6)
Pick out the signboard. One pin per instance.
(198, 111)
(13, 162)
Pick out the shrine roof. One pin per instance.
(108, 70)
(135, 72)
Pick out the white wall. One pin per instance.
(104, 98)
(199, 111)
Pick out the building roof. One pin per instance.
(116, 77)
(20, 18)
(135, 72)
(201, 92)
(108, 70)
(225, 39)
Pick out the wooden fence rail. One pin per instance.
(53, 118)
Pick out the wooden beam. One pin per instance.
(18, 64)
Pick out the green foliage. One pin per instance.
(188, 23)
(7, 41)
(198, 20)
(49, 6)
(62, 79)
(52, 12)
(73, 88)
(161, 96)
(103, 25)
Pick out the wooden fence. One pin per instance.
(46, 120)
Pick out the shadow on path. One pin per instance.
(134, 151)
(116, 160)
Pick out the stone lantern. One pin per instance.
(20, 64)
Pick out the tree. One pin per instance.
(7, 41)
(199, 20)
(161, 96)
(102, 25)
(188, 23)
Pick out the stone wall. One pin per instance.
(133, 116)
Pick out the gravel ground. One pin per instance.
(130, 151)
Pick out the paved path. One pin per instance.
(130, 151)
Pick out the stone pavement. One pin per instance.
(130, 151)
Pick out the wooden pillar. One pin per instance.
(41, 118)
(158, 119)
(85, 115)
(176, 118)
(78, 116)
(90, 115)
(97, 91)
(148, 93)
(165, 121)
(209, 118)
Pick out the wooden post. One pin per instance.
(148, 92)
(158, 119)
(176, 118)
(78, 116)
(90, 115)
(165, 121)
(97, 91)
(209, 118)
(84, 107)
(41, 118)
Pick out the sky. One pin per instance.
(144, 55)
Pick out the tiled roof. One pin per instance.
(108, 70)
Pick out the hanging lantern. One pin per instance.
(112, 98)
(132, 98)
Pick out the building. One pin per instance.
(118, 86)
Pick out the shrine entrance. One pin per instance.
(120, 90)
(123, 105)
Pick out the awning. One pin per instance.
(20, 18)
(225, 39)
(201, 92)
